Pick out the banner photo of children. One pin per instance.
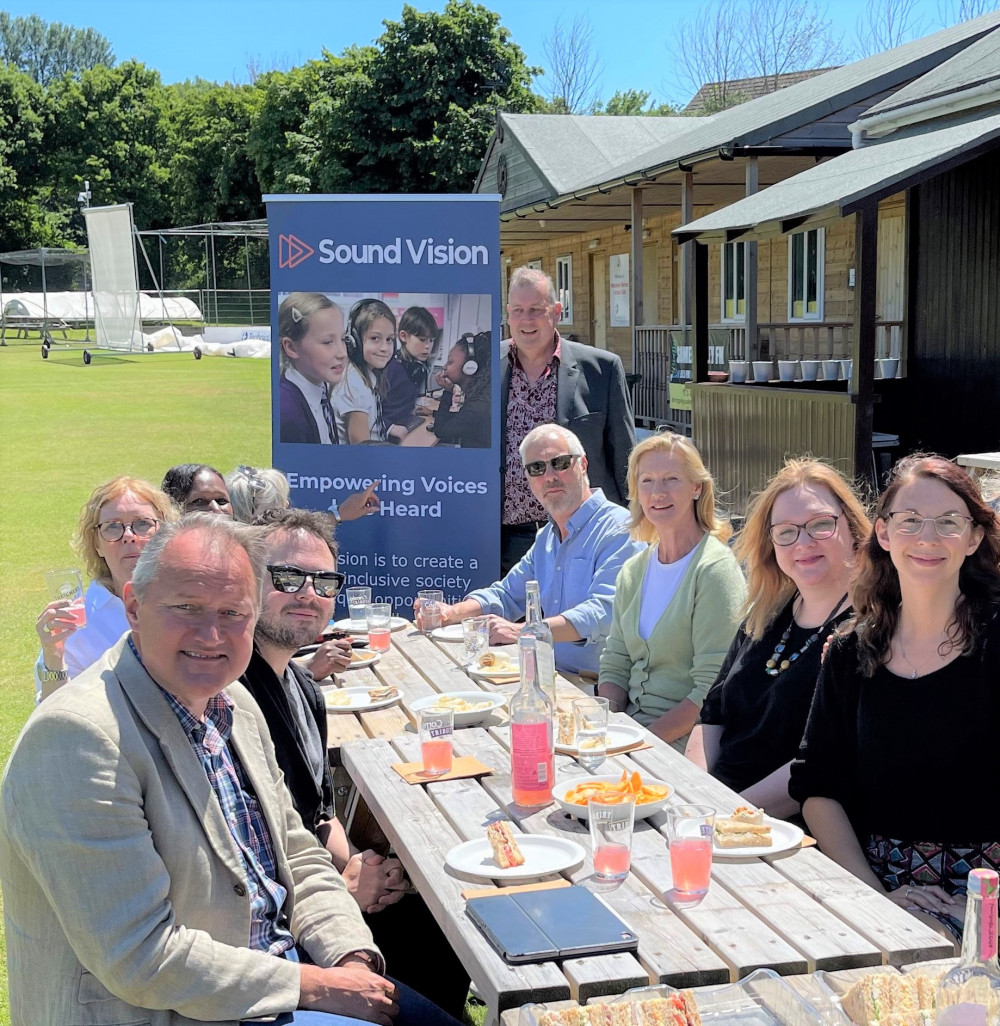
(385, 383)
(407, 369)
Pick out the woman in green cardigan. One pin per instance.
(678, 603)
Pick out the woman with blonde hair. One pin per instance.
(798, 549)
(678, 603)
(255, 490)
(116, 522)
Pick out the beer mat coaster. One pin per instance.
(807, 841)
(490, 892)
(462, 766)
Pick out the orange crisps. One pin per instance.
(627, 786)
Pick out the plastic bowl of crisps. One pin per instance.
(573, 793)
(470, 707)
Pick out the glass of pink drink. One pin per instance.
(690, 830)
(67, 585)
(379, 616)
(611, 826)
(436, 728)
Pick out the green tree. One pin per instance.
(110, 126)
(48, 50)
(414, 112)
(636, 102)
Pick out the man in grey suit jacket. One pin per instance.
(153, 867)
(549, 379)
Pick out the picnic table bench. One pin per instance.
(794, 912)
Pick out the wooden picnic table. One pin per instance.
(795, 912)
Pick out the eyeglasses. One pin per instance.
(948, 525)
(818, 528)
(290, 579)
(114, 530)
(537, 467)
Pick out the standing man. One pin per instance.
(153, 867)
(548, 379)
(575, 558)
(300, 588)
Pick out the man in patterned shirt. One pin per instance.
(548, 379)
(154, 869)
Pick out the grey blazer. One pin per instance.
(592, 400)
(124, 896)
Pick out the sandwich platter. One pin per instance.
(542, 855)
(352, 700)
(396, 623)
(784, 836)
(470, 707)
(621, 737)
(453, 632)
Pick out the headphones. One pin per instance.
(355, 343)
(470, 366)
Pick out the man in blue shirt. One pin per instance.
(575, 558)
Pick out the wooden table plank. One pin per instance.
(414, 825)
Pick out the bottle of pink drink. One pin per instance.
(532, 754)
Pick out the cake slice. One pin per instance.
(745, 828)
(506, 852)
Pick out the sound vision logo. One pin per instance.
(292, 251)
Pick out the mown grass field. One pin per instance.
(64, 428)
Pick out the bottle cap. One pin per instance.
(984, 882)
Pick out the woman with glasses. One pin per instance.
(197, 488)
(115, 524)
(678, 603)
(255, 490)
(897, 767)
(798, 549)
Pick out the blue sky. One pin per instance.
(217, 38)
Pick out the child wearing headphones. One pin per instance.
(408, 373)
(358, 402)
(313, 360)
(468, 369)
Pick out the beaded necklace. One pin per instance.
(776, 664)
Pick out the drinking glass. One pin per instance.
(436, 727)
(476, 636)
(428, 610)
(377, 617)
(690, 829)
(591, 718)
(611, 824)
(358, 600)
(68, 586)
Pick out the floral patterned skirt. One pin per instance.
(919, 863)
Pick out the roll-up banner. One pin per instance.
(385, 315)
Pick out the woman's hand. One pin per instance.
(54, 629)
(617, 696)
(929, 898)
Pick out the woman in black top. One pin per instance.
(798, 547)
(897, 766)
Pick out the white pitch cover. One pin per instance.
(114, 277)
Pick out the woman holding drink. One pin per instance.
(115, 524)
(896, 768)
(677, 604)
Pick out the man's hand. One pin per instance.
(503, 632)
(360, 504)
(374, 881)
(331, 657)
(352, 990)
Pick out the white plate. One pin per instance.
(365, 657)
(397, 623)
(493, 674)
(360, 702)
(470, 716)
(620, 737)
(542, 855)
(453, 632)
(783, 836)
(564, 784)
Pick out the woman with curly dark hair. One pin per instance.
(896, 769)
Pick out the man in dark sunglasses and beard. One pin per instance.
(301, 584)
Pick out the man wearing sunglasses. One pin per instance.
(300, 587)
(575, 558)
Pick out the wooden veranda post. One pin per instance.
(687, 251)
(862, 384)
(700, 312)
(750, 271)
(636, 262)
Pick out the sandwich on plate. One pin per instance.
(745, 828)
(506, 852)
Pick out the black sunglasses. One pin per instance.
(537, 467)
(290, 579)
